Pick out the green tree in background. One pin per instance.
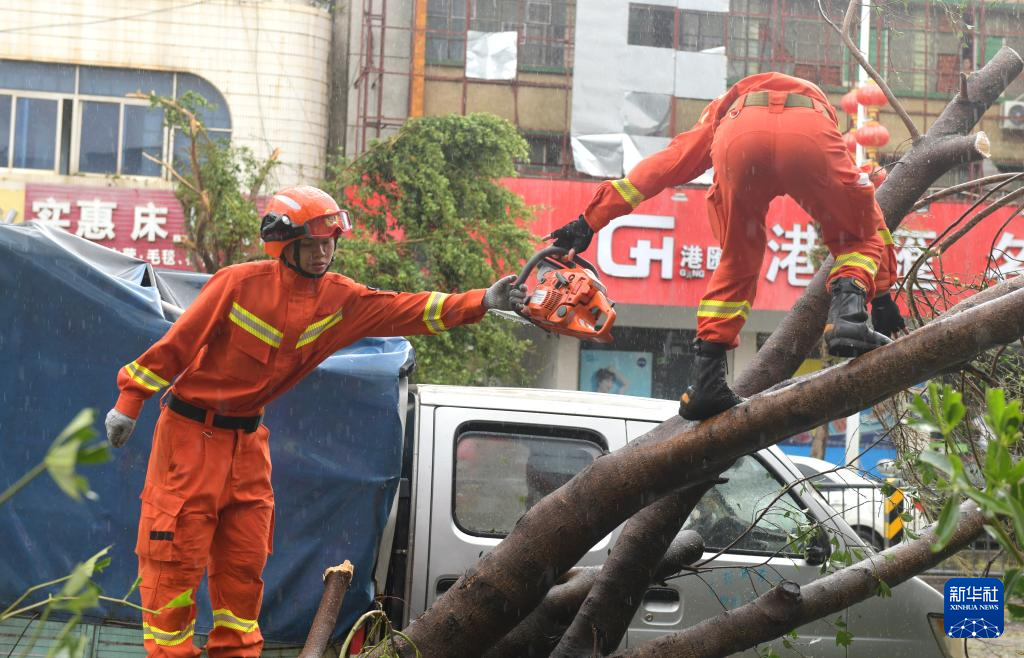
(217, 185)
(430, 214)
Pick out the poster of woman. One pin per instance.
(616, 371)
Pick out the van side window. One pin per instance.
(728, 509)
(499, 476)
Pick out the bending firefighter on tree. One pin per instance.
(253, 332)
(770, 134)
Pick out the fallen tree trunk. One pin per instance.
(605, 615)
(510, 581)
(538, 634)
(789, 606)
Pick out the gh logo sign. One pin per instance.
(642, 253)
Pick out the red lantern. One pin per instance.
(849, 102)
(850, 139)
(872, 135)
(870, 94)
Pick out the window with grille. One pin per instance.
(545, 153)
(657, 26)
(71, 119)
(540, 24)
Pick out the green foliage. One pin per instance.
(78, 592)
(430, 214)
(70, 448)
(217, 186)
(996, 484)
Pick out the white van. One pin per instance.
(477, 458)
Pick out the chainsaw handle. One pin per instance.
(538, 257)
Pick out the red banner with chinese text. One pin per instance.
(663, 253)
(144, 223)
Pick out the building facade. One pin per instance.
(593, 85)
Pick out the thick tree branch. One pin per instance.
(506, 584)
(780, 610)
(538, 634)
(604, 617)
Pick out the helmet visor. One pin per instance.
(329, 225)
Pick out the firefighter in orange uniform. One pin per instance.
(253, 332)
(770, 134)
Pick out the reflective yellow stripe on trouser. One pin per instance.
(145, 377)
(855, 259)
(432, 312)
(224, 618)
(167, 638)
(628, 191)
(714, 308)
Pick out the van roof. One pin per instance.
(548, 400)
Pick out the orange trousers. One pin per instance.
(207, 504)
(759, 153)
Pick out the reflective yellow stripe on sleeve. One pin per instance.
(715, 308)
(886, 236)
(224, 618)
(855, 259)
(628, 191)
(432, 312)
(168, 638)
(145, 377)
(255, 326)
(316, 329)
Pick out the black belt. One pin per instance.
(198, 414)
(760, 98)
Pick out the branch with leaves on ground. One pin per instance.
(78, 593)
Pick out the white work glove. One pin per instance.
(119, 428)
(504, 295)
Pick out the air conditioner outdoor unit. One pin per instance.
(1013, 115)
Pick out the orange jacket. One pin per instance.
(257, 328)
(689, 154)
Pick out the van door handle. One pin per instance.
(661, 600)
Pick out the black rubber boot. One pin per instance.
(848, 330)
(709, 395)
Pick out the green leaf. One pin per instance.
(947, 525)
(98, 453)
(953, 408)
(82, 574)
(135, 585)
(939, 461)
(60, 463)
(883, 590)
(79, 429)
(843, 638)
(182, 600)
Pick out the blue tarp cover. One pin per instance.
(71, 314)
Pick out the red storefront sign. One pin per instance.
(664, 252)
(146, 224)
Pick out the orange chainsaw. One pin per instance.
(569, 298)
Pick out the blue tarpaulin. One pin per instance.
(71, 314)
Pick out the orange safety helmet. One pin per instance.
(298, 212)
